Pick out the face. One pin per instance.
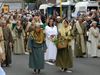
(94, 24)
(38, 29)
(51, 22)
(59, 19)
(36, 18)
(65, 23)
(19, 23)
(80, 20)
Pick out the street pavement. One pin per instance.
(82, 66)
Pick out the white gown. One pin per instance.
(51, 47)
(2, 71)
(94, 41)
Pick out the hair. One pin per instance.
(36, 14)
(65, 20)
(30, 20)
(8, 21)
(49, 22)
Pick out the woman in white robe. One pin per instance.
(2, 71)
(94, 39)
(51, 32)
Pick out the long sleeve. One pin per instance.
(10, 37)
(89, 34)
(44, 46)
(46, 32)
(30, 43)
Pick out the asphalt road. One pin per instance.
(82, 66)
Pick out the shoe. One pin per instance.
(38, 71)
(69, 71)
(52, 61)
(61, 69)
(65, 69)
(34, 72)
(7, 65)
(79, 56)
(94, 57)
(84, 53)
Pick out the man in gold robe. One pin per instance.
(79, 33)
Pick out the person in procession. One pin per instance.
(37, 48)
(94, 36)
(19, 39)
(64, 55)
(8, 41)
(51, 34)
(79, 33)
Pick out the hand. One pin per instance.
(96, 36)
(52, 36)
(68, 40)
(89, 41)
(10, 44)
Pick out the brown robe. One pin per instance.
(7, 40)
(80, 39)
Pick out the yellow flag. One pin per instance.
(5, 8)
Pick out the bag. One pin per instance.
(62, 42)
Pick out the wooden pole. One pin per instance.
(61, 8)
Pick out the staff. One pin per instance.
(60, 8)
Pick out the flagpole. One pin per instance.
(61, 8)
